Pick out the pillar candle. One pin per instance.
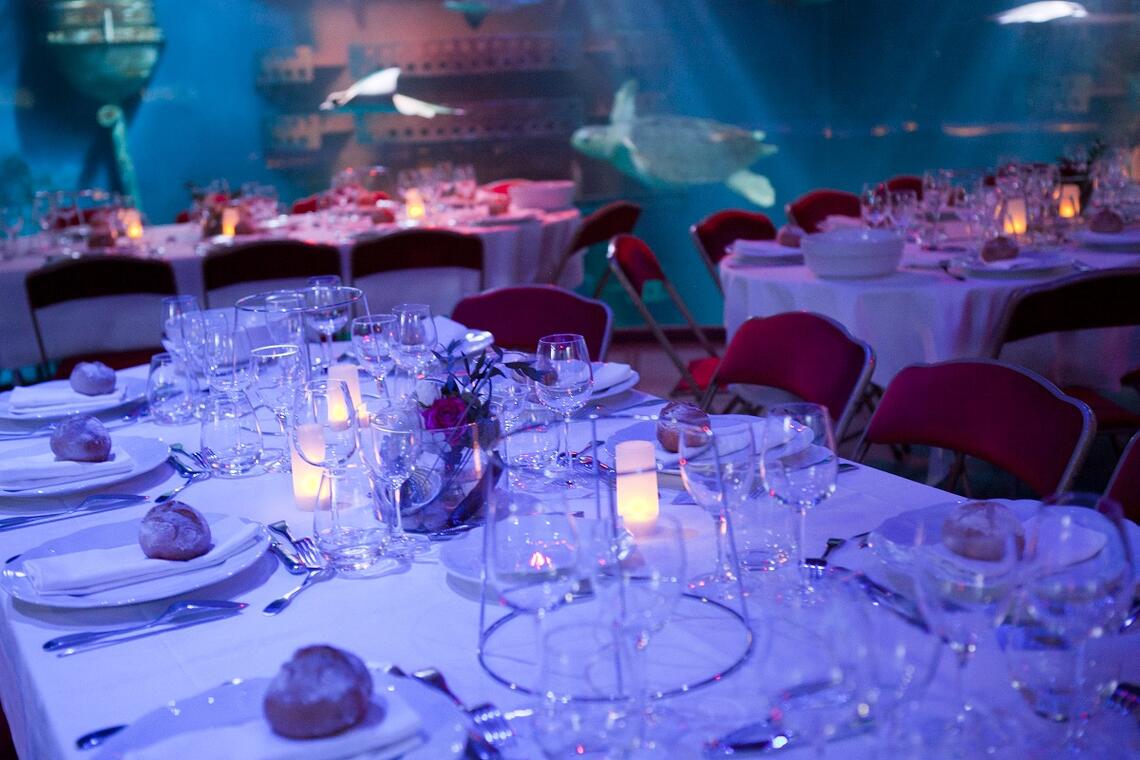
(346, 373)
(1069, 204)
(637, 500)
(1015, 220)
(229, 221)
(307, 477)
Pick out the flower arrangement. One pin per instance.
(464, 397)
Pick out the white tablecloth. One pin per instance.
(416, 619)
(512, 254)
(920, 314)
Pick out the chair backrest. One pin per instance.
(715, 233)
(617, 218)
(504, 185)
(810, 209)
(261, 261)
(60, 299)
(1107, 298)
(307, 205)
(521, 314)
(904, 182)
(807, 354)
(1124, 485)
(436, 267)
(1008, 416)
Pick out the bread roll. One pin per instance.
(999, 249)
(92, 378)
(320, 692)
(1106, 220)
(81, 438)
(981, 530)
(174, 530)
(675, 416)
(790, 236)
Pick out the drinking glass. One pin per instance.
(324, 435)
(413, 338)
(227, 353)
(531, 447)
(278, 371)
(874, 205)
(718, 468)
(465, 182)
(231, 434)
(346, 524)
(567, 377)
(44, 211)
(371, 339)
(171, 391)
(799, 464)
(328, 308)
(391, 440)
(904, 210)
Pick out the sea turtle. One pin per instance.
(671, 151)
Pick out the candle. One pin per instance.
(637, 500)
(307, 477)
(229, 221)
(414, 203)
(133, 223)
(1069, 204)
(346, 373)
(1015, 218)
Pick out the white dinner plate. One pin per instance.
(764, 252)
(667, 461)
(146, 454)
(134, 393)
(1128, 239)
(1026, 264)
(630, 381)
(443, 732)
(13, 580)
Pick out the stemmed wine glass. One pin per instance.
(904, 209)
(371, 338)
(413, 338)
(799, 464)
(718, 468)
(566, 379)
(278, 371)
(322, 435)
(391, 439)
(874, 206)
(226, 353)
(328, 309)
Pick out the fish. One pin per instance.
(669, 151)
(382, 84)
(1041, 12)
(475, 11)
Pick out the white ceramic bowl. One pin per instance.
(546, 195)
(852, 252)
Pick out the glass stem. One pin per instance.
(1075, 725)
(326, 351)
(566, 441)
(397, 517)
(723, 570)
(801, 540)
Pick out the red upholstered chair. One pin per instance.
(183, 217)
(63, 296)
(244, 268)
(810, 209)
(306, 205)
(519, 315)
(1085, 301)
(1124, 485)
(436, 267)
(635, 265)
(504, 186)
(617, 218)
(803, 353)
(1007, 416)
(904, 182)
(713, 234)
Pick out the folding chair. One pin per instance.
(810, 209)
(1004, 415)
(619, 217)
(803, 353)
(436, 267)
(1124, 485)
(521, 314)
(903, 182)
(243, 269)
(715, 233)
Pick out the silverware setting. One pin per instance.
(94, 504)
(192, 475)
(177, 615)
(140, 412)
(317, 570)
(764, 736)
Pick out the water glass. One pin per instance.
(413, 338)
(347, 525)
(372, 341)
(391, 441)
(231, 434)
(874, 206)
(278, 371)
(226, 354)
(171, 391)
(567, 377)
(531, 448)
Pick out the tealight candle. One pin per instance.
(133, 223)
(346, 373)
(307, 477)
(1069, 204)
(1016, 217)
(414, 204)
(637, 499)
(229, 221)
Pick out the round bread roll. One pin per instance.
(81, 438)
(981, 530)
(673, 417)
(92, 378)
(320, 692)
(789, 235)
(1106, 220)
(174, 530)
(999, 249)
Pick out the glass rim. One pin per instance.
(258, 302)
(279, 349)
(374, 318)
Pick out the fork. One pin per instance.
(318, 571)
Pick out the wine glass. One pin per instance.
(322, 433)
(328, 309)
(278, 371)
(44, 211)
(904, 209)
(226, 354)
(567, 376)
(413, 338)
(874, 206)
(718, 468)
(391, 439)
(799, 464)
(371, 336)
(1076, 593)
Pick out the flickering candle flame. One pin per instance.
(540, 561)
(229, 221)
(1069, 203)
(307, 477)
(1016, 218)
(414, 204)
(133, 223)
(637, 498)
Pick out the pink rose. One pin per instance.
(447, 412)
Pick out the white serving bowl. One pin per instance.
(852, 252)
(546, 195)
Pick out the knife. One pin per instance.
(206, 616)
(765, 736)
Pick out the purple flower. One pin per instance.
(446, 412)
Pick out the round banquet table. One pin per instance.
(416, 619)
(921, 314)
(514, 253)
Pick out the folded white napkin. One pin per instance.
(1024, 262)
(42, 470)
(93, 570)
(609, 374)
(58, 397)
(839, 221)
(762, 249)
(447, 330)
(390, 729)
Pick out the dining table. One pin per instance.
(421, 614)
(931, 309)
(518, 248)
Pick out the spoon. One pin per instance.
(173, 614)
(197, 477)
